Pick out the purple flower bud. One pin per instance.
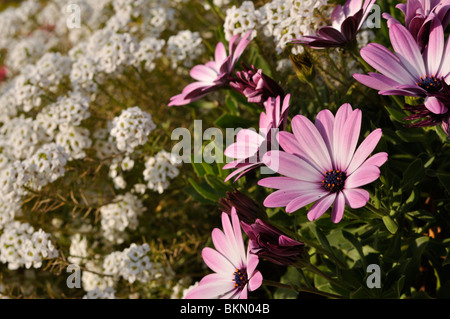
(255, 85)
(247, 209)
(272, 244)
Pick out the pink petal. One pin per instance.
(407, 50)
(376, 81)
(435, 105)
(338, 208)
(211, 289)
(218, 262)
(356, 197)
(435, 49)
(203, 74)
(304, 199)
(365, 174)
(321, 207)
(364, 150)
(238, 234)
(220, 53)
(311, 142)
(386, 63)
(291, 166)
(281, 198)
(349, 137)
(377, 159)
(324, 124)
(255, 281)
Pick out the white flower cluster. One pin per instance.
(132, 128)
(131, 264)
(78, 249)
(183, 48)
(281, 20)
(123, 213)
(22, 246)
(97, 293)
(240, 20)
(159, 169)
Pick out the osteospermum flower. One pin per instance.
(409, 72)
(234, 269)
(418, 17)
(214, 74)
(250, 146)
(345, 23)
(321, 164)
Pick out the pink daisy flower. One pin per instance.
(321, 164)
(214, 74)
(235, 269)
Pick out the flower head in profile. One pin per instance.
(418, 17)
(322, 165)
(408, 72)
(345, 23)
(214, 74)
(234, 268)
(250, 146)
(272, 244)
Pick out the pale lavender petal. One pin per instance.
(286, 183)
(228, 230)
(218, 262)
(256, 281)
(407, 50)
(252, 259)
(311, 142)
(281, 198)
(291, 165)
(377, 159)
(324, 124)
(211, 290)
(220, 53)
(376, 81)
(356, 197)
(365, 174)
(435, 48)
(304, 199)
(221, 243)
(386, 63)
(363, 151)
(321, 206)
(349, 138)
(238, 234)
(203, 74)
(340, 120)
(338, 208)
(289, 143)
(435, 105)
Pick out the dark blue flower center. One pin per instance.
(240, 278)
(430, 83)
(334, 180)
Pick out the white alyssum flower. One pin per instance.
(149, 50)
(78, 249)
(46, 165)
(97, 293)
(183, 48)
(240, 20)
(132, 264)
(131, 128)
(160, 169)
(22, 246)
(122, 214)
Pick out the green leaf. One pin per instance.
(232, 121)
(208, 194)
(354, 241)
(396, 114)
(390, 224)
(217, 184)
(413, 173)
